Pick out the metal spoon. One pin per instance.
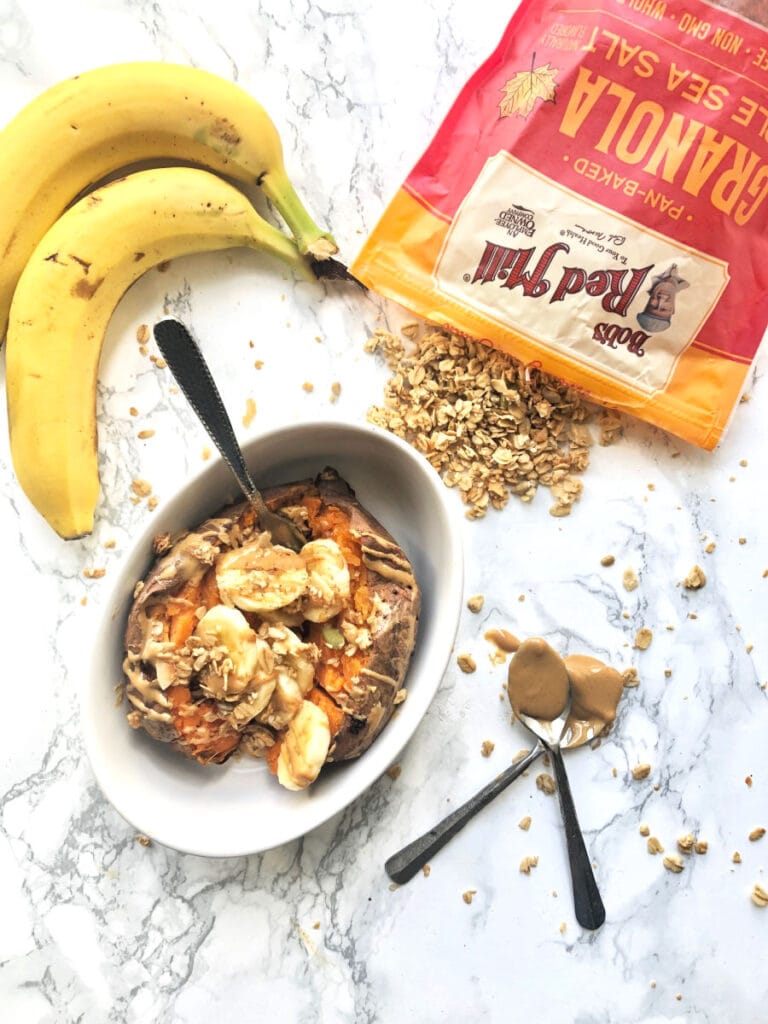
(587, 903)
(403, 865)
(190, 369)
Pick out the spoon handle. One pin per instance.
(403, 865)
(188, 365)
(590, 912)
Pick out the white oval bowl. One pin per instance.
(239, 808)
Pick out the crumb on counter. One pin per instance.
(250, 412)
(525, 823)
(142, 334)
(94, 574)
(142, 840)
(644, 830)
(641, 771)
(466, 663)
(487, 748)
(756, 833)
(695, 579)
(630, 580)
(527, 863)
(141, 488)
(546, 783)
(643, 638)
(607, 560)
(759, 895)
(394, 771)
(654, 845)
(630, 677)
(468, 895)
(475, 603)
(673, 862)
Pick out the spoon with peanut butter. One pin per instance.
(595, 692)
(541, 694)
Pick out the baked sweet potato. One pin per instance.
(234, 646)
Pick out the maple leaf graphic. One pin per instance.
(525, 87)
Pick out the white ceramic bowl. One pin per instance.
(239, 808)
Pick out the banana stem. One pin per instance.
(283, 196)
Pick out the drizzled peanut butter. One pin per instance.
(537, 685)
(502, 639)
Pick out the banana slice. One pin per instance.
(233, 660)
(328, 587)
(260, 578)
(295, 673)
(304, 748)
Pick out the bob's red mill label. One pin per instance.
(596, 202)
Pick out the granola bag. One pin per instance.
(596, 202)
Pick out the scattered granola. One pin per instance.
(475, 603)
(141, 488)
(695, 579)
(143, 435)
(142, 840)
(686, 843)
(142, 334)
(467, 896)
(520, 755)
(250, 412)
(426, 870)
(755, 834)
(525, 823)
(489, 425)
(546, 783)
(607, 560)
(673, 862)
(487, 748)
(94, 574)
(644, 830)
(527, 863)
(701, 846)
(630, 677)
(641, 771)
(654, 846)
(466, 663)
(630, 580)
(308, 386)
(759, 895)
(643, 638)
(736, 858)
(394, 771)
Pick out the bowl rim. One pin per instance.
(114, 607)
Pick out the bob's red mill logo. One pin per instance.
(534, 273)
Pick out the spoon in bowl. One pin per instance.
(541, 677)
(190, 369)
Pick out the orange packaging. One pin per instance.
(596, 202)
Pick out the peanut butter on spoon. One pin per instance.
(537, 685)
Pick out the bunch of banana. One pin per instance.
(63, 303)
(81, 130)
(67, 260)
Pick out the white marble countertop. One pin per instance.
(98, 928)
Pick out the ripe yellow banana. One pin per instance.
(63, 303)
(85, 128)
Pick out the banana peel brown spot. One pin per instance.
(223, 129)
(83, 263)
(137, 256)
(83, 289)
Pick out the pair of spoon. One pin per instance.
(588, 905)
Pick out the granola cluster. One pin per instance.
(487, 423)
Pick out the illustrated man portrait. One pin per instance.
(660, 307)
